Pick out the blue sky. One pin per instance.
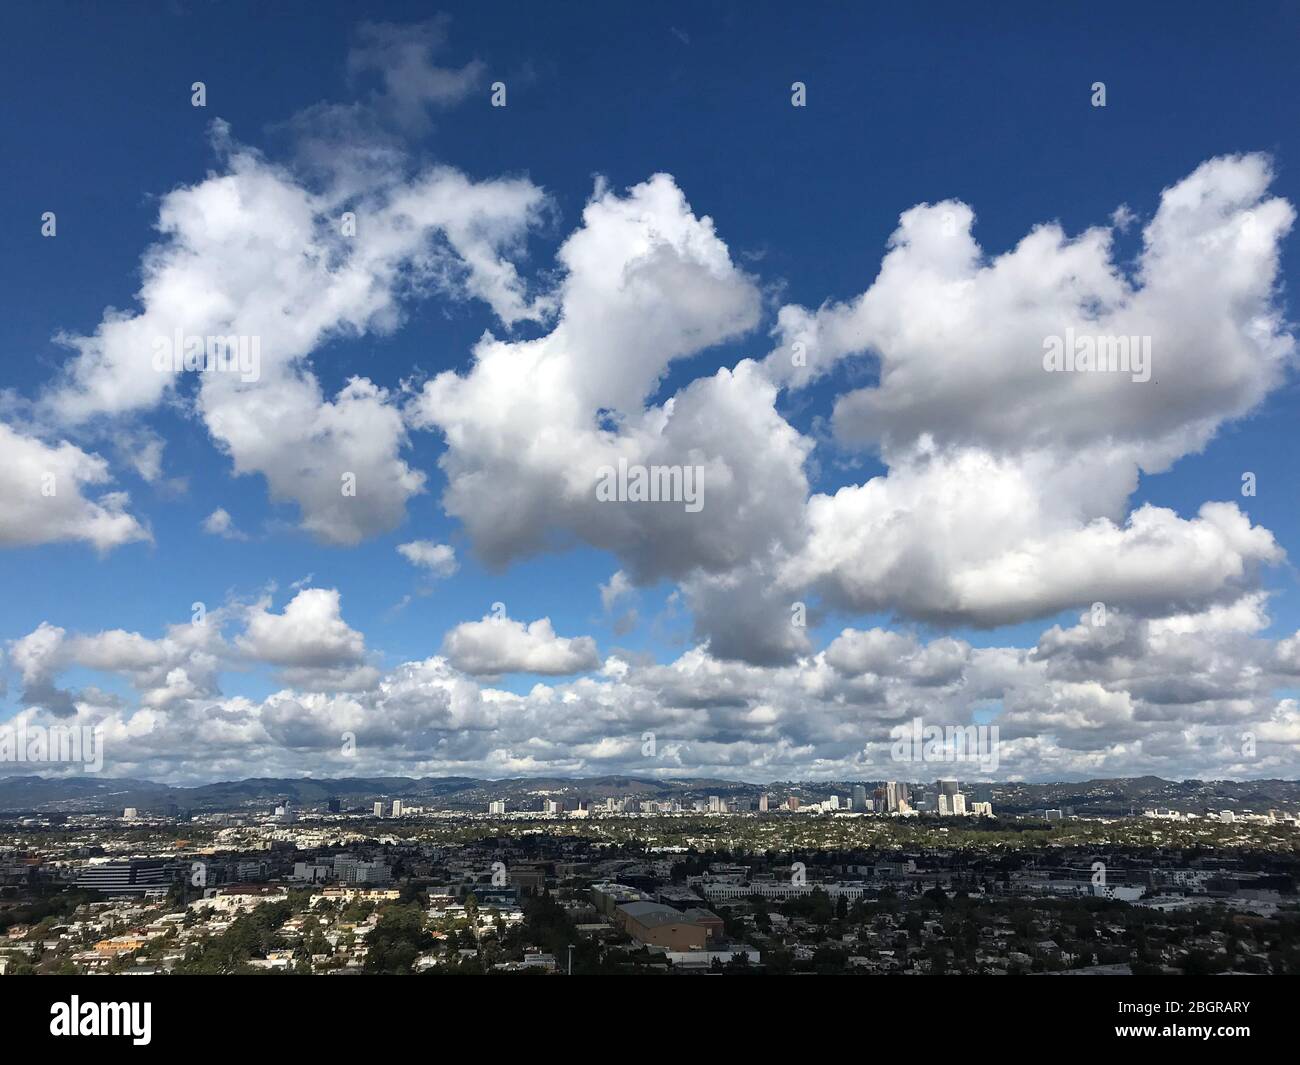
(920, 105)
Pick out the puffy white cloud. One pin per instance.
(1007, 490)
(39, 657)
(183, 664)
(220, 523)
(310, 642)
(46, 496)
(614, 590)
(892, 654)
(878, 651)
(502, 645)
(972, 540)
(960, 337)
(532, 425)
(338, 459)
(993, 510)
(1194, 698)
(438, 559)
(253, 254)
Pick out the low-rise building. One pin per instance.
(657, 925)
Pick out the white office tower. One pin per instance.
(762, 803)
(982, 809)
(952, 803)
(895, 796)
(349, 870)
(859, 798)
(397, 807)
(715, 804)
(497, 806)
(379, 809)
(129, 814)
(833, 803)
(554, 806)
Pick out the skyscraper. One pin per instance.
(952, 803)
(895, 796)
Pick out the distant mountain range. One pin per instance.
(95, 794)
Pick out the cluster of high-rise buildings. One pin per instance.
(945, 799)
